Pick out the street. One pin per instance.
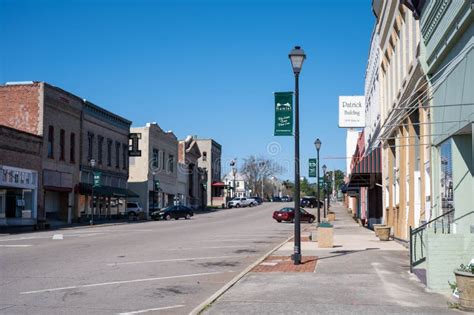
(168, 267)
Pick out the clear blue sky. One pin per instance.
(206, 68)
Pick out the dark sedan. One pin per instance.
(258, 200)
(288, 215)
(311, 202)
(172, 212)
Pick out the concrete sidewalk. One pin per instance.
(360, 275)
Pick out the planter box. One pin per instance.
(384, 233)
(331, 216)
(376, 227)
(465, 283)
(325, 237)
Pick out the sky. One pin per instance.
(204, 68)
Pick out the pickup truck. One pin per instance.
(241, 202)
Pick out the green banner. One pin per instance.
(313, 166)
(97, 179)
(321, 180)
(283, 113)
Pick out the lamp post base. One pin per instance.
(296, 258)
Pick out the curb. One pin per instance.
(236, 279)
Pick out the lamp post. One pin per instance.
(154, 190)
(234, 170)
(325, 189)
(297, 57)
(317, 144)
(92, 164)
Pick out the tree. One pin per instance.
(306, 188)
(258, 173)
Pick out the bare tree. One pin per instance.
(258, 173)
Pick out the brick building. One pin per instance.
(73, 131)
(20, 173)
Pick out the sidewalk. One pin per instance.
(360, 275)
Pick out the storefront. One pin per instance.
(18, 196)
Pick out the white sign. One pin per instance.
(351, 111)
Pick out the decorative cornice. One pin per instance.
(435, 16)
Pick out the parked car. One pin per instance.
(239, 202)
(133, 208)
(311, 202)
(276, 199)
(258, 200)
(286, 199)
(172, 212)
(288, 214)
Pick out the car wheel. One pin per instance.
(311, 220)
(250, 205)
(188, 216)
(177, 218)
(279, 221)
(132, 214)
(292, 220)
(237, 205)
(167, 217)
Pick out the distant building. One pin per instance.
(190, 177)
(210, 163)
(154, 174)
(240, 189)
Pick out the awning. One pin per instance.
(367, 171)
(57, 189)
(106, 191)
(218, 184)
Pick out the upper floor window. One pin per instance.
(109, 152)
(117, 155)
(204, 156)
(100, 143)
(72, 149)
(124, 156)
(62, 140)
(51, 142)
(155, 158)
(90, 149)
(171, 163)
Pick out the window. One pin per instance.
(51, 142)
(90, 137)
(117, 155)
(171, 163)
(124, 156)
(155, 158)
(100, 143)
(204, 156)
(72, 149)
(62, 136)
(109, 152)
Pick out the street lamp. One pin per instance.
(92, 164)
(154, 190)
(297, 58)
(325, 188)
(234, 170)
(317, 144)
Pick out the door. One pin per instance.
(2, 203)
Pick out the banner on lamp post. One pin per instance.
(313, 164)
(283, 113)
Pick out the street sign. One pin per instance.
(283, 113)
(97, 179)
(313, 164)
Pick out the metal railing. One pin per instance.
(441, 224)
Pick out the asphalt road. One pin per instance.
(165, 267)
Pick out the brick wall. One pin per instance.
(20, 107)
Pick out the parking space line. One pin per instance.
(16, 245)
(83, 286)
(210, 247)
(173, 260)
(152, 309)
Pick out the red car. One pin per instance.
(288, 214)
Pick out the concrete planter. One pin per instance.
(376, 227)
(465, 283)
(331, 216)
(384, 233)
(325, 237)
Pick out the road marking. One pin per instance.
(211, 247)
(24, 238)
(16, 245)
(93, 285)
(58, 237)
(152, 309)
(173, 260)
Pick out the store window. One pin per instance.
(447, 191)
